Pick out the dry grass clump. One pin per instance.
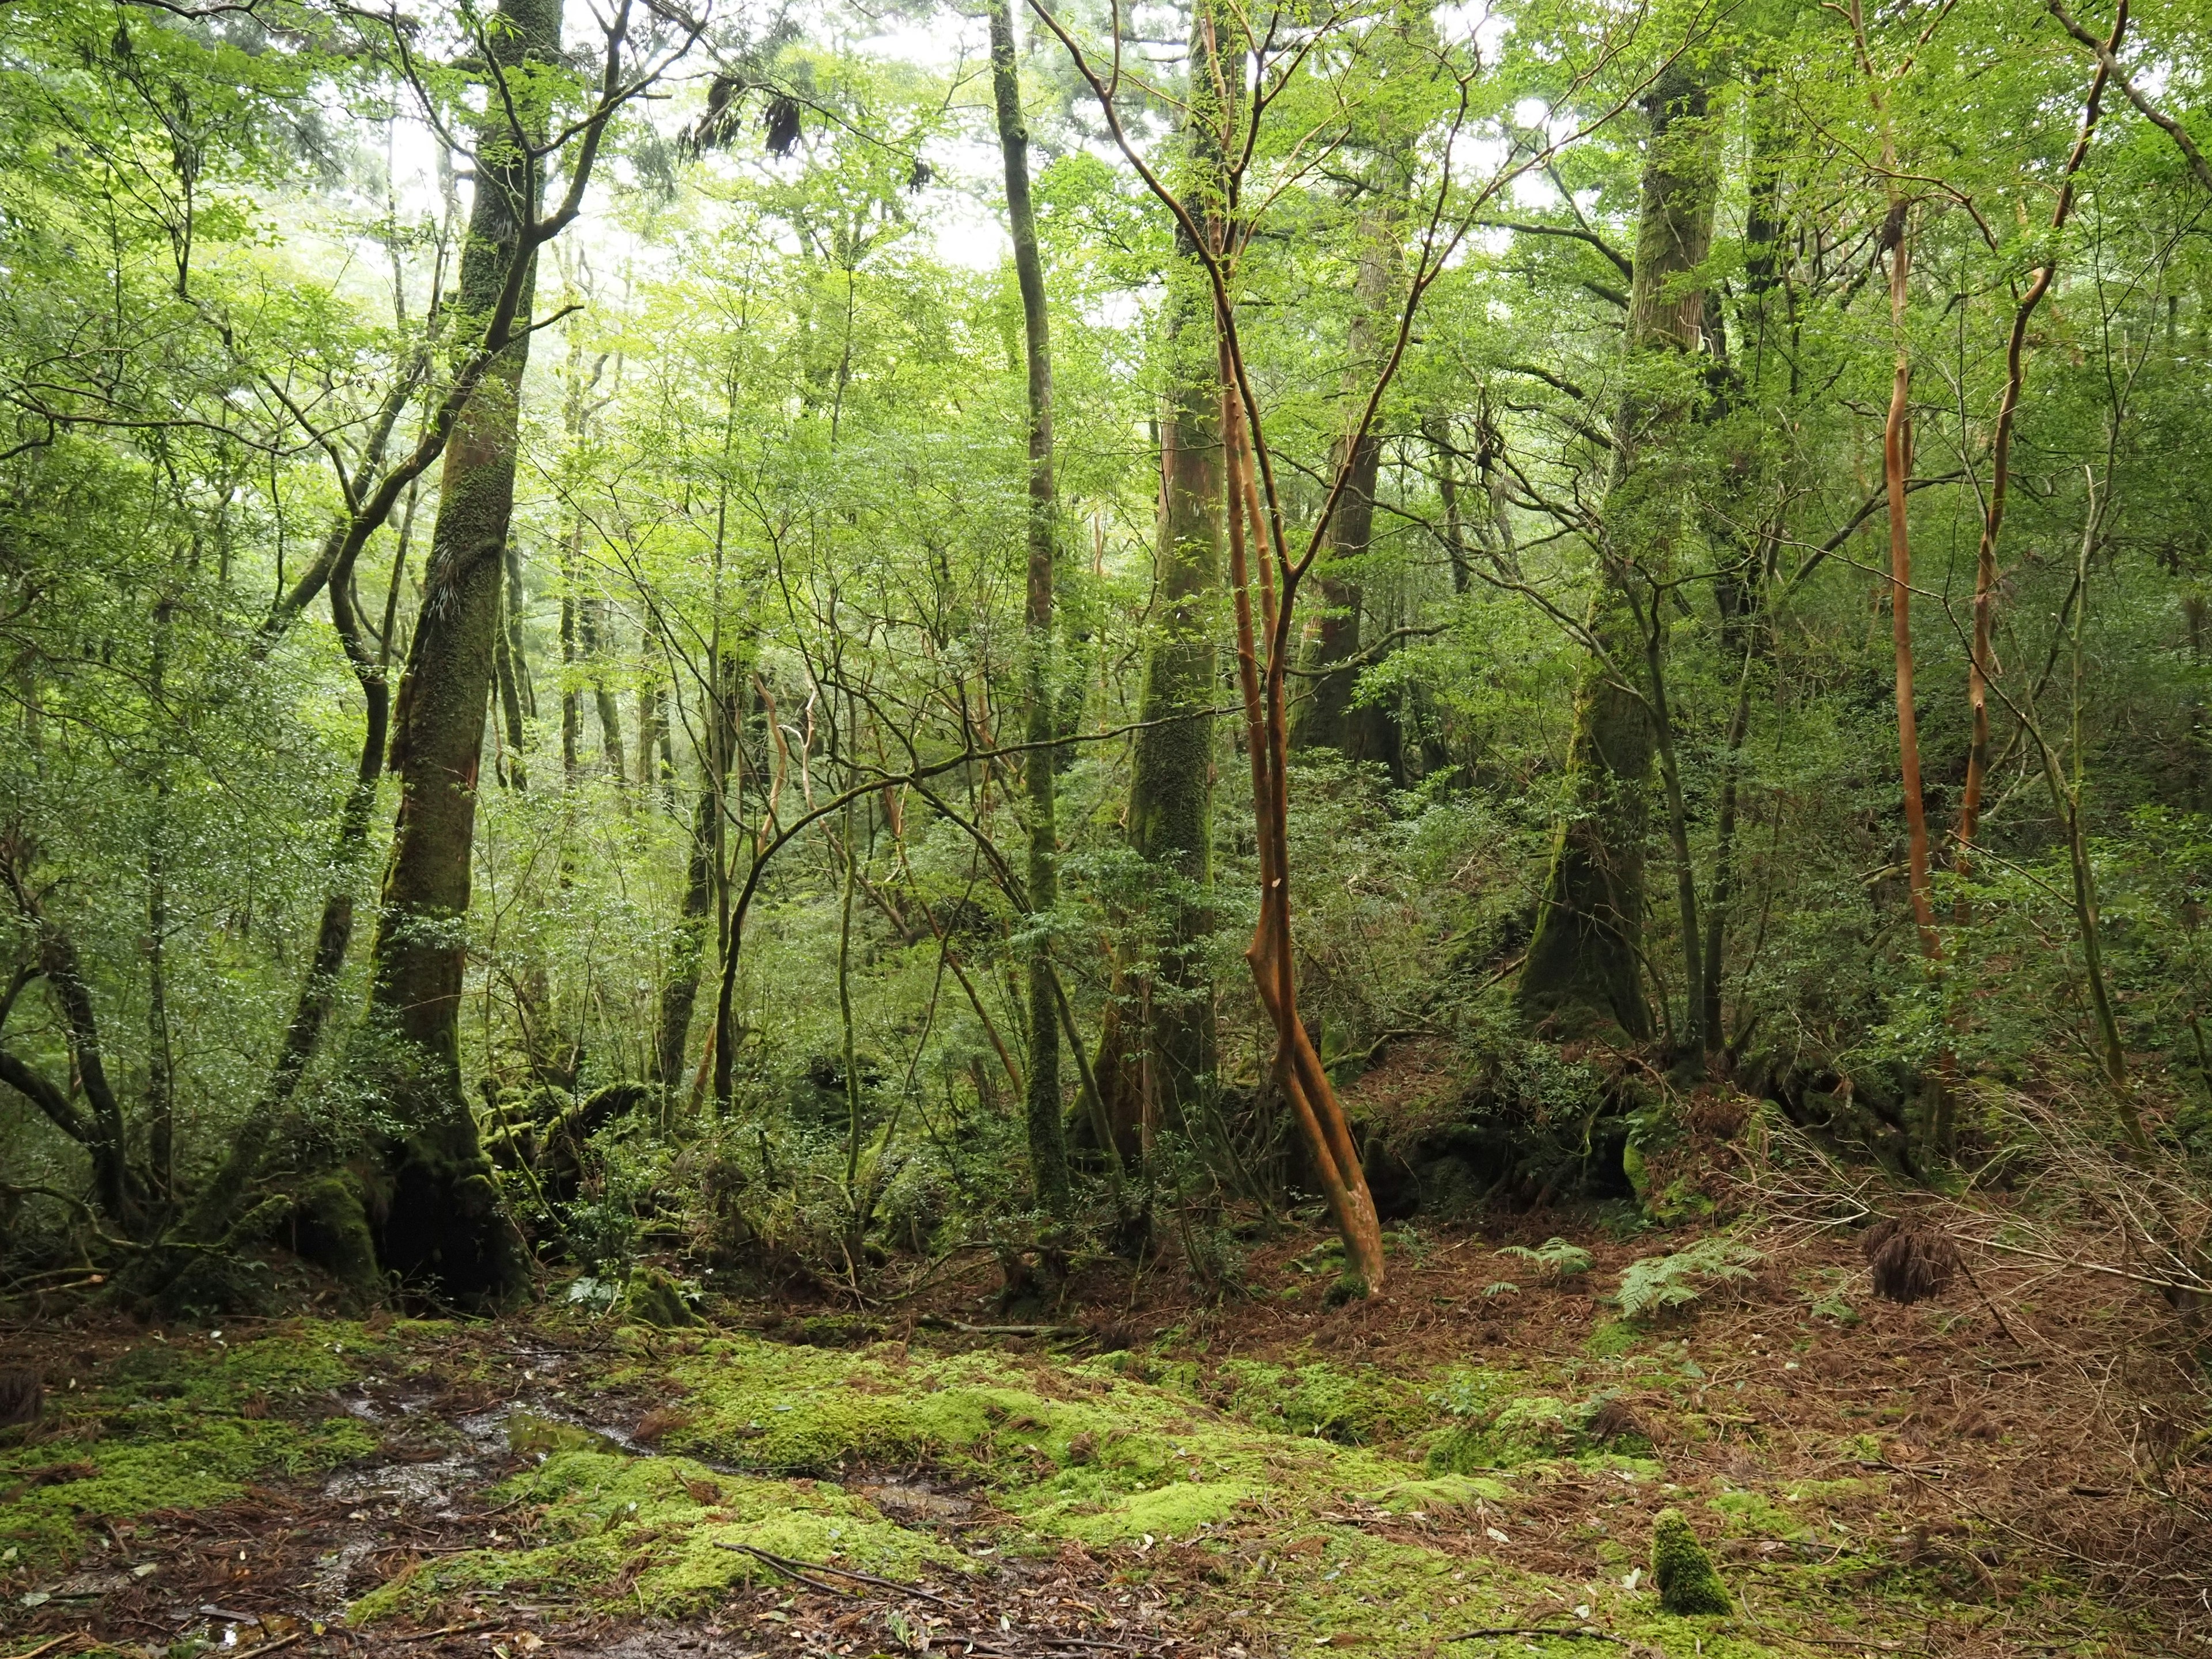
(1910, 1260)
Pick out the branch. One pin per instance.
(2111, 65)
(1621, 262)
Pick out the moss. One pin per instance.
(529, 1435)
(653, 1298)
(1681, 1570)
(1354, 1408)
(1176, 1510)
(1524, 1430)
(655, 1534)
(181, 1425)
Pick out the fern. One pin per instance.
(1656, 1283)
(1558, 1259)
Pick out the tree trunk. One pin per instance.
(592, 621)
(679, 993)
(1048, 1138)
(160, 1063)
(1171, 782)
(507, 672)
(1585, 959)
(438, 1219)
(1298, 1072)
(1896, 471)
(1324, 717)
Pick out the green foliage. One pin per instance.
(1661, 1284)
(1559, 1260)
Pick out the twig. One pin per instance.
(939, 1322)
(791, 1568)
(46, 1647)
(450, 1629)
(1538, 1630)
(271, 1647)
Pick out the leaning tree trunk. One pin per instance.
(437, 1218)
(1047, 1135)
(1585, 960)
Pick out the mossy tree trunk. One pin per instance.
(1047, 1140)
(1585, 959)
(437, 1219)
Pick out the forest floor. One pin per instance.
(1449, 1468)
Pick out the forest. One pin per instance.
(1039, 828)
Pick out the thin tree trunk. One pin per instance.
(1437, 430)
(161, 1062)
(442, 1220)
(1048, 1139)
(509, 692)
(571, 710)
(592, 626)
(1325, 717)
(119, 1189)
(679, 994)
(1724, 892)
(1298, 1071)
(1896, 471)
(1695, 1038)
(1982, 662)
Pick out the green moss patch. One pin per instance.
(178, 1426)
(1355, 1408)
(655, 1534)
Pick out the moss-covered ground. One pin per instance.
(557, 1474)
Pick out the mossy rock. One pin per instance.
(1683, 1572)
(653, 1298)
(529, 1435)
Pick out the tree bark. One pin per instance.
(679, 993)
(1325, 717)
(1896, 470)
(1585, 958)
(1981, 662)
(1048, 1138)
(1171, 782)
(438, 1219)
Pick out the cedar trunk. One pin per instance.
(437, 1220)
(1585, 959)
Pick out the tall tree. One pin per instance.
(1330, 655)
(1047, 1136)
(1171, 781)
(1585, 960)
(436, 1214)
